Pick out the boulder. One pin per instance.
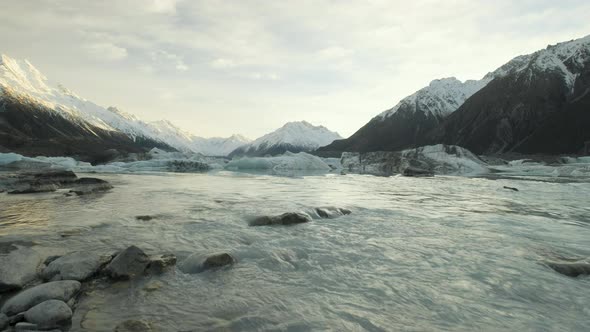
(50, 314)
(75, 266)
(331, 212)
(85, 186)
(218, 260)
(161, 263)
(57, 290)
(18, 268)
(26, 327)
(571, 269)
(133, 326)
(290, 218)
(197, 263)
(128, 264)
(59, 177)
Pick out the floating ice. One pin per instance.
(289, 161)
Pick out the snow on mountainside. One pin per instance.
(293, 137)
(23, 79)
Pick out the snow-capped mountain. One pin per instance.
(412, 121)
(542, 106)
(293, 137)
(22, 80)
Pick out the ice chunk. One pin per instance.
(289, 161)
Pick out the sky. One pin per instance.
(217, 68)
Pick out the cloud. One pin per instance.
(105, 51)
(162, 6)
(221, 63)
(167, 60)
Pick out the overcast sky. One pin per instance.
(221, 67)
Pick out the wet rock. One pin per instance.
(128, 264)
(161, 263)
(218, 261)
(133, 326)
(3, 321)
(50, 314)
(25, 327)
(511, 188)
(35, 188)
(417, 172)
(290, 218)
(153, 286)
(573, 269)
(197, 263)
(50, 259)
(18, 268)
(144, 218)
(59, 177)
(56, 290)
(75, 266)
(85, 186)
(332, 212)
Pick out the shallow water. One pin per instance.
(443, 253)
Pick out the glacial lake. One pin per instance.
(416, 254)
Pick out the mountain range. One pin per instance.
(535, 103)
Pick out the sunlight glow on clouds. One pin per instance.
(220, 67)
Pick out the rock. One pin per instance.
(153, 286)
(35, 188)
(218, 261)
(18, 268)
(25, 327)
(290, 218)
(12, 320)
(133, 326)
(58, 177)
(331, 212)
(50, 259)
(49, 314)
(85, 186)
(574, 269)
(56, 290)
(197, 263)
(130, 263)
(3, 321)
(417, 172)
(161, 263)
(75, 266)
(144, 218)
(511, 188)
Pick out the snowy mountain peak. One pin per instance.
(293, 136)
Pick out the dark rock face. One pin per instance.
(218, 261)
(573, 270)
(31, 129)
(130, 263)
(286, 219)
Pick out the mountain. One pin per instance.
(293, 136)
(39, 117)
(509, 110)
(543, 106)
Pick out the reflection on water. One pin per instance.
(440, 253)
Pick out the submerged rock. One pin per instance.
(511, 188)
(18, 268)
(35, 188)
(198, 263)
(3, 321)
(417, 172)
(85, 186)
(133, 326)
(128, 264)
(290, 218)
(57, 290)
(161, 263)
(331, 212)
(218, 260)
(50, 314)
(144, 218)
(75, 266)
(572, 269)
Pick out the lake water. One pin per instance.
(417, 254)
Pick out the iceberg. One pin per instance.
(287, 162)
